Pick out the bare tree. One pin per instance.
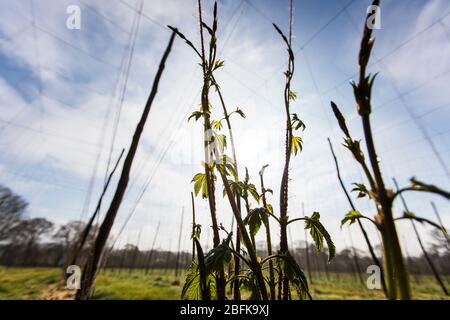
(12, 208)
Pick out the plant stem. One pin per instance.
(208, 173)
(193, 225)
(255, 266)
(424, 251)
(392, 247)
(236, 289)
(308, 264)
(396, 271)
(363, 230)
(268, 240)
(284, 248)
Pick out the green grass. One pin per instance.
(26, 283)
(31, 283)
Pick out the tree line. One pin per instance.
(38, 242)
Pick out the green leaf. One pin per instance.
(249, 282)
(210, 31)
(196, 231)
(230, 170)
(196, 114)
(235, 187)
(361, 189)
(192, 285)
(295, 274)
(297, 145)
(297, 123)
(191, 289)
(292, 95)
(218, 257)
(355, 147)
(218, 64)
(318, 233)
(254, 220)
(217, 124)
(220, 141)
(252, 190)
(240, 112)
(351, 216)
(409, 215)
(264, 192)
(200, 184)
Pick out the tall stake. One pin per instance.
(79, 244)
(135, 253)
(356, 259)
(90, 270)
(149, 260)
(179, 243)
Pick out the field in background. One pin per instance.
(34, 283)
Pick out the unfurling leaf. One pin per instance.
(340, 118)
(412, 216)
(297, 123)
(210, 31)
(355, 147)
(318, 233)
(351, 216)
(218, 257)
(409, 215)
(196, 231)
(196, 114)
(254, 220)
(295, 274)
(292, 95)
(218, 64)
(240, 112)
(252, 190)
(217, 124)
(361, 189)
(297, 145)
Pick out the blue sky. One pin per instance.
(58, 87)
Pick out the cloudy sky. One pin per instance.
(63, 91)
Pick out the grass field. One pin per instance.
(34, 283)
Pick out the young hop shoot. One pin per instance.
(397, 279)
